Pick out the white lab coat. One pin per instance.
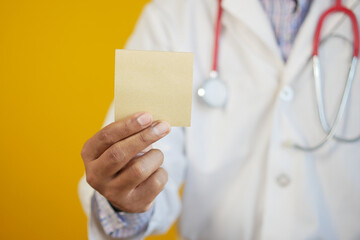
(241, 182)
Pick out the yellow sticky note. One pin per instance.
(156, 82)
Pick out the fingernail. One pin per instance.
(161, 128)
(144, 119)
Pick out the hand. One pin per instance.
(128, 180)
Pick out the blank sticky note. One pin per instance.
(156, 82)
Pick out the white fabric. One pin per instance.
(241, 181)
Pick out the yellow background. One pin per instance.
(56, 83)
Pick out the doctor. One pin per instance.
(243, 180)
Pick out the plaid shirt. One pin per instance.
(286, 17)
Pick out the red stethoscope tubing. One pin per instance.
(217, 37)
(338, 7)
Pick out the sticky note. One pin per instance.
(156, 82)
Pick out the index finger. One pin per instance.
(115, 132)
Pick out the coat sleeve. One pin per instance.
(152, 32)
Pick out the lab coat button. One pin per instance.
(287, 94)
(283, 180)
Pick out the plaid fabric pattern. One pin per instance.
(119, 224)
(286, 17)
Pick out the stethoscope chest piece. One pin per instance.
(214, 92)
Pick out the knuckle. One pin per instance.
(104, 136)
(164, 174)
(143, 137)
(137, 170)
(127, 126)
(160, 179)
(157, 155)
(116, 154)
(160, 155)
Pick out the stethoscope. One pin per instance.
(214, 91)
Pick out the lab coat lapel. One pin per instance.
(252, 14)
(301, 52)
